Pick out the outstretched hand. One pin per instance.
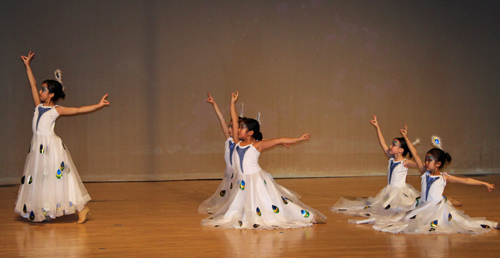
(305, 136)
(210, 99)
(374, 121)
(103, 101)
(27, 59)
(490, 186)
(404, 131)
(234, 97)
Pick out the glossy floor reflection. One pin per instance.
(159, 219)
(51, 240)
(266, 243)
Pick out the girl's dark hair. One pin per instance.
(55, 87)
(254, 126)
(440, 156)
(404, 146)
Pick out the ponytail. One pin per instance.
(254, 126)
(257, 136)
(447, 157)
(404, 146)
(56, 88)
(440, 156)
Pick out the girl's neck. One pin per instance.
(48, 104)
(248, 141)
(435, 172)
(398, 157)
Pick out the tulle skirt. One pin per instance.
(50, 186)
(214, 202)
(436, 217)
(258, 202)
(388, 201)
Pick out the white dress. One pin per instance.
(50, 186)
(222, 193)
(257, 201)
(433, 214)
(395, 197)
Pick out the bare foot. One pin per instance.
(455, 202)
(82, 215)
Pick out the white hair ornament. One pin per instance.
(58, 75)
(258, 118)
(241, 110)
(436, 142)
(416, 142)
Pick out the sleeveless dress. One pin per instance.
(222, 193)
(395, 197)
(433, 214)
(257, 201)
(50, 186)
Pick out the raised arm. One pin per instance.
(413, 151)
(266, 144)
(31, 77)
(219, 115)
(84, 109)
(469, 181)
(234, 117)
(380, 137)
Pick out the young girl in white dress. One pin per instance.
(432, 213)
(397, 195)
(257, 202)
(51, 186)
(222, 193)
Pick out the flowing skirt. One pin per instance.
(388, 201)
(436, 217)
(258, 202)
(50, 186)
(214, 202)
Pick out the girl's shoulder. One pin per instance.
(58, 109)
(445, 174)
(409, 163)
(257, 143)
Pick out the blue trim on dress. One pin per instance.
(429, 181)
(41, 111)
(241, 154)
(392, 166)
(231, 150)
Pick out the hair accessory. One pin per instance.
(241, 110)
(416, 142)
(58, 75)
(258, 118)
(436, 142)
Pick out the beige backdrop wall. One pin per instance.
(321, 67)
